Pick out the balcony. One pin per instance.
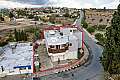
(50, 50)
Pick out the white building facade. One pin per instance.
(63, 44)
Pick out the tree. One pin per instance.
(1, 18)
(84, 24)
(36, 18)
(104, 8)
(100, 20)
(98, 36)
(101, 27)
(11, 38)
(37, 35)
(16, 34)
(20, 35)
(52, 19)
(11, 15)
(3, 43)
(25, 36)
(66, 14)
(30, 16)
(91, 30)
(21, 12)
(111, 54)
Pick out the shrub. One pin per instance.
(84, 24)
(98, 36)
(91, 30)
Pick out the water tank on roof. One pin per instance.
(51, 32)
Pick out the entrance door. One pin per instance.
(57, 46)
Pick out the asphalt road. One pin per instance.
(94, 71)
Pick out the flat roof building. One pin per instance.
(17, 59)
(63, 43)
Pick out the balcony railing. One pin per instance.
(50, 50)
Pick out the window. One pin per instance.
(29, 67)
(63, 45)
(57, 46)
(51, 46)
(67, 44)
(23, 68)
(74, 31)
(70, 44)
(63, 56)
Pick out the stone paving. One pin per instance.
(45, 60)
(64, 67)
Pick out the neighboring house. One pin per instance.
(17, 59)
(63, 43)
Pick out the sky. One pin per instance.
(111, 4)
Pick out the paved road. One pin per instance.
(93, 71)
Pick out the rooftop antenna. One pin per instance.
(50, 4)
